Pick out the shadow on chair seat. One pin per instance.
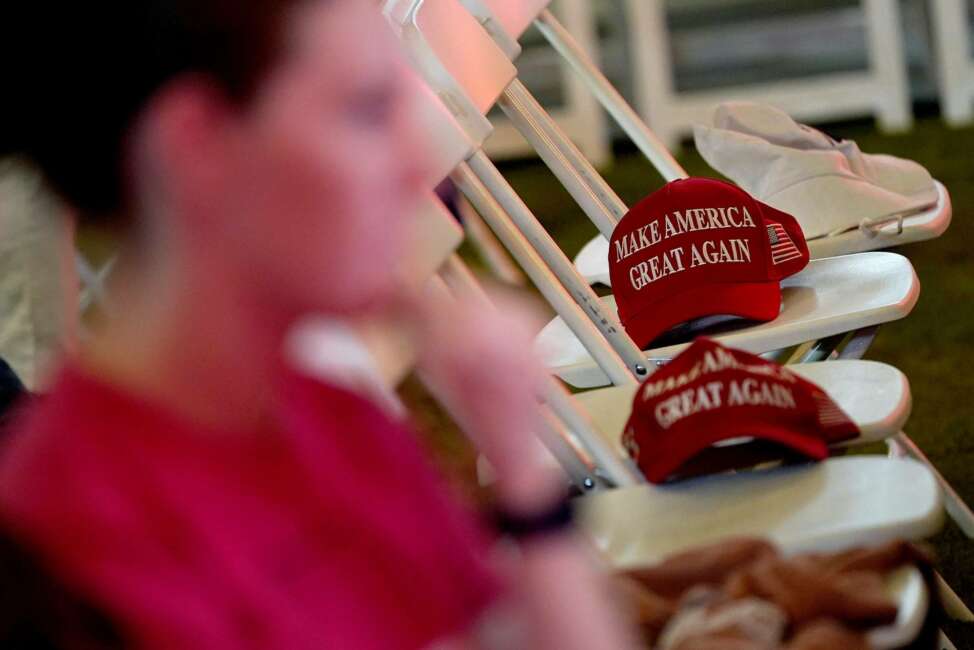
(829, 506)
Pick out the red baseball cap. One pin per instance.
(714, 408)
(700, 247)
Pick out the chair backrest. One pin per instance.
(452, 51)
(516, 15)
(437, 236)
(450, 141)
(497, 30)
(457, 55)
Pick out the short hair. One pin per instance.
(78, 74)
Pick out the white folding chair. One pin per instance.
(444, 59)
(886, 289)
(488, 248)
(881, 89)
(950, 22)
(92, 290)
(576, 112)
(910, 229)
(507, 20)
(431, 36)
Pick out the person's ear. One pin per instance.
(182, 142)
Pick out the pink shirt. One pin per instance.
(327, 529)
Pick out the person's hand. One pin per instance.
(479, 357)
(484, 344)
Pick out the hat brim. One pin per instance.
(695, 455)
(759, 301)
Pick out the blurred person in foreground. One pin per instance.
(181, 486)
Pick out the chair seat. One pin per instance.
(831, 296)
(923, 226)
(452, 51)
(874, 395)
(828, 506)
(435, 236)
(593, 260)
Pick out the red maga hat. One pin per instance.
(700, 247)
(714, 408)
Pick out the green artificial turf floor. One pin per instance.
(934, 346)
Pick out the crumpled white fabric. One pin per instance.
(894, 174)
(817, 186)
(38, 280)
(761, 623)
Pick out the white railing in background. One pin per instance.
(950, 24)
(880, 90)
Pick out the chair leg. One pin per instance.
(859, 343)
(901, 446)
(888, 62)
(489, 249)
(959, 511)
(533, 115)
(894, 449)
(546, 265)
(600, 455)
(610, 98)
(820, 350)
(599, 202)
(954, 607)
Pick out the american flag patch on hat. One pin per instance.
(829, 414)
(783, 248)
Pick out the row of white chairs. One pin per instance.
(464, 49)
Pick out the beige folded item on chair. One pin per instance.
(742, 594)
(818, 187)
